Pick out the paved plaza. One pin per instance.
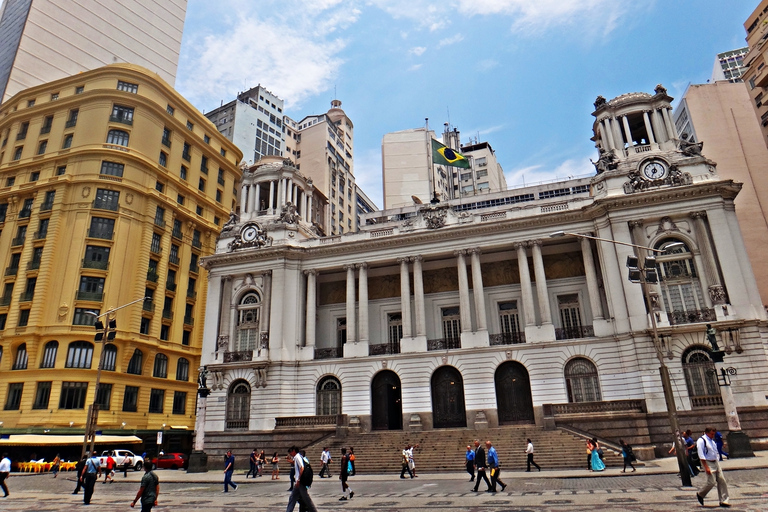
(654, 487)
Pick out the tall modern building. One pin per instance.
(112, 187)
(729, 65)
(45, 40)
(755, 75)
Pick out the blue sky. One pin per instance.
(520, 74)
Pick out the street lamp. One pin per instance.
(644, 274)
(105, 331)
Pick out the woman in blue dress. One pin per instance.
(597, 462)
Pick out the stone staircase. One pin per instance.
(443, 450)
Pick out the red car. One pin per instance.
(171, 461)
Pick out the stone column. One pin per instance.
(616, 131)
(405, 297)
(272, 194)
(658, 126)
(256, 197)
(418, 296)
(525, 284)
(591, 275)
(464, 312)
(289, 191)
(224, 314)
(668, 124)
(351, 327)
(309, 210)
(309, 338)
(648, 128)
(627, 131)
(716, 290)
(363, 307)
(244, 197)
(266, 277)
(608, 139)
(280, 194)
(477, 290)
(541, 283)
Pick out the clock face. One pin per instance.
(249, 234)
(654, 171)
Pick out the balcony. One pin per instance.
(159, 223)
(121, 119)
(194, 267)
(191, 294)
(237, 424)
(174, 259)
(507, 338)
(186, 156)
(155, 249)
(101, 234)
(575, 332)
(148, 305)
(188, 320)
(384, 348)
(11, 271)
(220, 181)
(19, 240)
(40, 235)
(167, 313)
(45, 207)
(27, 296)
(698, 402)
(176, 233)
(45, 129)
(152, 276)
(33, 265)
(25, 213)
(96, 264)
(237, 357)
(691, 317)
(92, 296)
(328, 353)
(4, 301)
(444, 344)
(70, 123)
(105, 205)
(170, 286)
(196, 243)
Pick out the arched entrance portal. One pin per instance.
(448, 398)
(386, 402)
(513, 394)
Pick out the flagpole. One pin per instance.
(430, 163)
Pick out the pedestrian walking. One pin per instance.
(411, 462)
(261, 461)
(470, 462)
(352, 460)
(109, 474)
(79, 471)
(91, 473)
(55, 465)
(480, 466)
(709, 457)
(275, 467)
(127, 463)
(719, 442)
(589, 454)
(629, 456)
(300, 492)
(292, 473)
(346, 467)
(529, 452)
(493, 463)
(597, 456)
(149, 489)
(229, 468)
(253, 460)
(325, 460)
(5, 470)
(406, 467)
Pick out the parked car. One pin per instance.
(120, 459)
(171, 461)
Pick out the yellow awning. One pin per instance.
(49, 440)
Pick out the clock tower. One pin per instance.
(639, 148)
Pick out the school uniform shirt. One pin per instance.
(707, 449)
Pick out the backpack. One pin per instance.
(307, 475)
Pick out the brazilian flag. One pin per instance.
(443, 155)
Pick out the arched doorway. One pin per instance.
(701, 378)
(386, 402)
(238, 405)
(513, 394)
(448, 398)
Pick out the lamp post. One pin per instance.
(644, 274)
(105, 331)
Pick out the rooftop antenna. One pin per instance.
(448, 111)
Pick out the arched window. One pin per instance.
(328, 396)
(49, 354)
(79, 354)
(20, 363)
(701, 378)
(161, 366)
(581, 381)
(118, 137)
(680, 286)
(182, 369)
(238, 405)
(134, 365)
(248, 316)
(110, 357)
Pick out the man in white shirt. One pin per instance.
(529, 451)
(5, 470)
(708, 455)
(325, 458)
(300, 492)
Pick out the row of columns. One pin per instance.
(613, 137)
(287, 192)
(359, 330)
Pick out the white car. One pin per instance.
(120, 456)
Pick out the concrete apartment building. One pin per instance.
(729, 65)
(720, 115)
(112, 188)
(45, 40)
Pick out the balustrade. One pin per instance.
(691, 317)
(507, 338)
(575, 332)
(444, 344)
(237, 357)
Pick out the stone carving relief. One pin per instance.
(666, 224)
(384, 287)
(251, 236)
(559, 266)
(606, 162)
(500, 273)
(223, 343)
(600, 101)
(675, 178)
(434, 216)
(689, 148)
(717, 294)
(660, 89)
(288, 214)
(260, 377)
(218, 380)
(229, 226)
(441, 280)
(332, 293)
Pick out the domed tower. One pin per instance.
(636, 139)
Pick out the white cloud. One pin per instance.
(533, 174)
(417, 50)
(450, 40)
(415, 67)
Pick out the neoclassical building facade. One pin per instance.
(470, 314)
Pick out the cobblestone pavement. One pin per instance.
(626, 493)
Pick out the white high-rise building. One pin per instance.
(729, 65)
(46, 40)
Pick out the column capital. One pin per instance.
(538, 241)
(460, 252)
(519, 245)
(311, 271)
(474, 250)
(361, 265)
(698, 215)
(405, 260)
(636, 223)
(266, 273)
(418, 257)
(351, 266)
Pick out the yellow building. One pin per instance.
(112, 186)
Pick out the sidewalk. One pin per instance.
(666, 465)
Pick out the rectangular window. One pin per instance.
(73, 395)
(42, 395)
(79, 89)
(395, 324)
(17, 153)
(13, 402)
(23, 131)
(204, 165)
(107, 199)
(96, 257)
(47, 123)
(112, 169)
(85, 316)
(23, 317)
(165, 332)
(183, 173)
(163, 160)
(104, 396)
(160, 216)
(185, 336)
(341, 332)
(154, 246)
(127, 87)
(156, 399)
(130, 398)
(67, 142)
(451, 323)
(190, 126)
(219, 195)
(206, 139)
(170, 110)
(201, 185)
(122, 115)
(91, 288)
(186, 152)
(72, 119)
(61, 170)
(48, 200)
(159, 187)
(144, 326)
(179, 402)
(166, 140)
(180, 199)
(3, 319)
(101, 228)
(3, 211)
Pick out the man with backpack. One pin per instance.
(304, 477)
(346, 468)
(149, 489)
(708, 455)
